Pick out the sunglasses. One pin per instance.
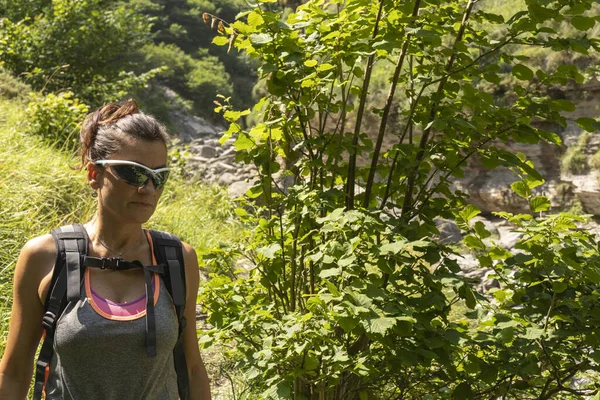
(136, 174)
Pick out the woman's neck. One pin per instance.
(116, 237)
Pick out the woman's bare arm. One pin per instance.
(32, 277)
(199, 384)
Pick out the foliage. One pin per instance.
(56, 118)
(182, 41)
(11, 87)
(575, 159)
(200, 79)
(347, 295)
(76, 45)
(595, 160)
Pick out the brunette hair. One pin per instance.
(104, 131)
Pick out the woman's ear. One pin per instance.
(93, 175)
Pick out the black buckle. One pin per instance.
(113, 263)
(48, 321)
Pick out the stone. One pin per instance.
(449, 232)
(509, 238)
(226, 179)
(206, 151)
(238, 188)
(221, 167)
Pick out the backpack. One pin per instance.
(71, 260)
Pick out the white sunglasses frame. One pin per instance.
(154, 172)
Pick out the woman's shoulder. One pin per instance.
(189, 256)
(40, 249)
(35, 264)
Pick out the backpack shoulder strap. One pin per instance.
(168, 251)
(71, 246)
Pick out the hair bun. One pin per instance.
(113, 112)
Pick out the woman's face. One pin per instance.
(122, 201)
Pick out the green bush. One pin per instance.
(11, 87)
(82, 45)
(199, 78)
(56, 118)
(574, 160)
(595, 160)
(347, 295)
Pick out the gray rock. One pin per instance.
(206, 151)
(239, 188)
(449, 232)
(509, 238)
(221, 167)
(226, 179)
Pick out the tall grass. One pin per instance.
(39, 191)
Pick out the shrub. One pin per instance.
(56, 118)
(11, 87)
(575, 160)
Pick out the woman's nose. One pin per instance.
(147, 187)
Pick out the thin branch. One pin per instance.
(359, 115)
(386, 111)
(433, 112)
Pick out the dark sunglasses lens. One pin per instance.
(138, 176)
(160, 179)
(131, 174)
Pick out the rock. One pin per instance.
(449, 232)
(590, 201)
(508, 237)
(239, 188)
(221, 167)
(226, 179)
(206, 151)
(190, 127)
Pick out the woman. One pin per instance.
(118, 146)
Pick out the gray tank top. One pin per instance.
(96, 358)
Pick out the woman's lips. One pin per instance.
(141, 204)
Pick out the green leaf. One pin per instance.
(327, 273)
(481, 231)
(255, 19)
(533, 333)
(220, 40)
(589, 124)
(469, 212)
(381, 325)
(559, 287)
(583, 23)
(325, 67)
(539, 203)
(311, 362)
(465, 292)
(240, 212)
(259, 39)
(473, 242)
(393, 248)
(269, 251)
(592, 275)
(333, 289)
(522, 72)
(561, 105)
(521, 189)
(310, 63)
(462, 392)
(243, 142)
